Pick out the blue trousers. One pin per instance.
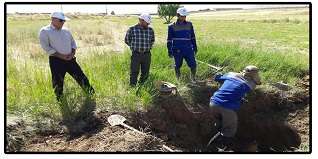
(187, 54)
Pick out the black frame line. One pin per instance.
(145, 3)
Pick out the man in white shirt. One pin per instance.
(59, 44)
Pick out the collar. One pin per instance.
(184, 22)
(239, 76)
(53, 27)
(139, 26)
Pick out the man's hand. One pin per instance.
(217, 76)
(64, 57)
(60, 56)
(70, 56)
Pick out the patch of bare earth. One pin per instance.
(108, 139)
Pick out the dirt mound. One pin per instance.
(304, 83)
(15, 134)
(262, 119)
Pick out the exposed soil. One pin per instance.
(270, 120)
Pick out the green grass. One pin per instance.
(279, 48)
(109, 74)
(274, 66)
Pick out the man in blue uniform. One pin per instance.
(227, 99)
(181, 43)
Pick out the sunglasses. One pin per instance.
(62, 21)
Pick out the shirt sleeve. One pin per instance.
(73, 43)
(45, 43)
(220, 77)
(153, 37)
(193, 40)
(128, 37)
(169, 39)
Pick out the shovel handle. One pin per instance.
(167, 148)
(214, 67)
(133, 129)
(213, 138)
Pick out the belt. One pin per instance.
(181, 39)
(139, 52)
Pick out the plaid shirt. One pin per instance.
(140, 39)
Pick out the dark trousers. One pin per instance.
(139, 61)
(229, 119)
(59, 68)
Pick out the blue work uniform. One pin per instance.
(233, 89)
(181, 43)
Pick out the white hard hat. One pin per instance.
(250, 68)
(182, 11)
(251, 71)
(59, 15)
(146, 17)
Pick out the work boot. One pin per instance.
(193, 72)
(178, 73)
(224, 142)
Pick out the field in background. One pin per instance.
(277, 41)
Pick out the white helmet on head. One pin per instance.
(182, 11)
(250, 68)
(146, 17)
(59, 15)
(251, 72)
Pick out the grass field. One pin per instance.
(276, 41)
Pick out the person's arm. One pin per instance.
(128, 37)
(45, 43)
(74, 46)
(193, 40)
(59, 55)
(244, 98)
(71, 55)
(169, 41)
(153, 37)
(219, 77)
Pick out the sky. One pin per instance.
(118, 9)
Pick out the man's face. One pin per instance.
(143, 23)
(58, 23)
(181, 18)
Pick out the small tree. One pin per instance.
(167, 11)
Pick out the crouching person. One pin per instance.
(226, 101)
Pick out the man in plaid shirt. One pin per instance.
(140, 39)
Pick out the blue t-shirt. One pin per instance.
(233, 89)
